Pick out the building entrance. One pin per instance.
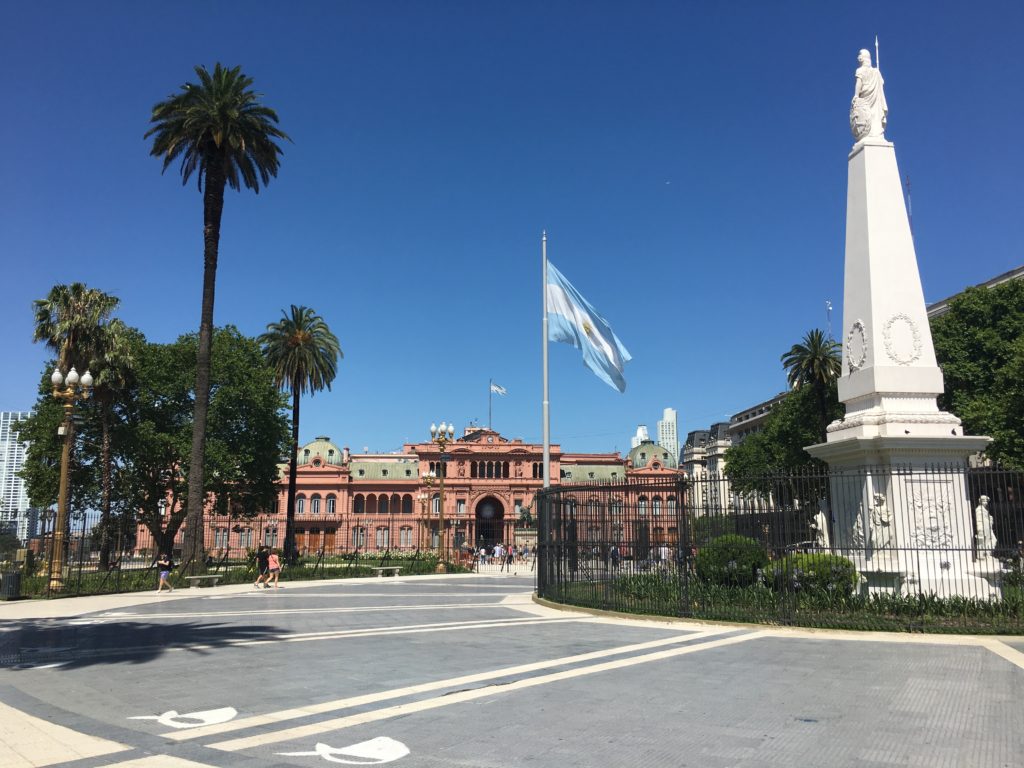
(490, 522)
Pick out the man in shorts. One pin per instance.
(262, 567)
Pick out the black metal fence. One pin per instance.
(923, 549)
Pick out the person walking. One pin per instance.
(262, 567)
(164, 565)
(274, 568)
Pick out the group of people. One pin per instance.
(268, 568)
(507, 555)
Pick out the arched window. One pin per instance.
(332, 504)
(371, 504)
(314, 504)
(435, 504)
(300, 505)
(490, 469)
(656, 506)
(382, 505)
(407, 504)
(672, 505)
(358, 504)
(504, 469)
(616, 508)
(641, 506)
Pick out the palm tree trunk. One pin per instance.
(105, 499)
(213, 207)
(290, 550)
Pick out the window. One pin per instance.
(270, 537)
(382, 505)
(408, 473)
(407, 505)
(220, 538)
(300, 505)
(435, 504)
(590, 475)
(517, 505)
(332, 505)
(359, 536)
(405, 536)
(382, 538)
(383, 473)
(460, 507)
(314, 504)
(359, 505)
(641, 506)
(656, 507)
(362, 472)
(245, 538)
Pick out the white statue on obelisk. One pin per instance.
(893, 435)
(868, 111)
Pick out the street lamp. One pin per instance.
(69, 390)
(46, 517)
(441, 436)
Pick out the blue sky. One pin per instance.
(688, 161)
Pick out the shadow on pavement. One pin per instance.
(46, 641)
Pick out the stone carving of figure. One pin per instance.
(820, 527)
(881, 523)
(462, 468)
(868, 110)
(984, 535)
(857, 534)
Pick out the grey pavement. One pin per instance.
(469, 670)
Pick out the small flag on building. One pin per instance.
(498, 389)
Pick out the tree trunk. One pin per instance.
(290, 550)
(213, 207)
(105, 499)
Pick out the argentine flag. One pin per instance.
(572, 320)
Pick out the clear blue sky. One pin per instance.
(687, 159)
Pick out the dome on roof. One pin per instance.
(649, 451)
(322, 446)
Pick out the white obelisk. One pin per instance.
(890, 381)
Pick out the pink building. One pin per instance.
(346, 502)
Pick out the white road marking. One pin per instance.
(999, 648)
(373, 752)
(158, 761)
(300, 611)
(172, 719)
(459, 697)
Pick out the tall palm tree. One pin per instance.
(226, 137)
(816, 362)
(115, 361)
(73, 321)
(304, 354)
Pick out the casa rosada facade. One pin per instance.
(346, 502)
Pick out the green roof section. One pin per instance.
(649, 451)
(585, 473)
(384, 470)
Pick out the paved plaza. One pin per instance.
(469, 671)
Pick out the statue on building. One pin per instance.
(984, 536)
(868, 110)
(819, 525)
(881, 523)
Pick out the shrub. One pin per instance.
(813, 572)
(710, 527)
(731, 560)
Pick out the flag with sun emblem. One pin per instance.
(572, 320)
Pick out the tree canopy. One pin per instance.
(979, 344)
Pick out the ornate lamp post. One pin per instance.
(69, 390)
(46, 517)
(441, 436)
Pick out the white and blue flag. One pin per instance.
(572, 320)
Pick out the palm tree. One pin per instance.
(226, 137)
(73, 321)
(304, 355)
(115, 362)
(815, 362)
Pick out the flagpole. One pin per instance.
(544, 346)
(490, 396)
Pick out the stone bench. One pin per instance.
(195, 581)
(394, 569)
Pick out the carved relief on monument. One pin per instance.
(902, 339)
(931, 521)
(856, 347)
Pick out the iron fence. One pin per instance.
(919, 549)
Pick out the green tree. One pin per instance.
(979, 344)
(247, 432)
(304, 355)
(816, 362)
(226, 137)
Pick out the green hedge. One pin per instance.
(812, 572)
(731, 560)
